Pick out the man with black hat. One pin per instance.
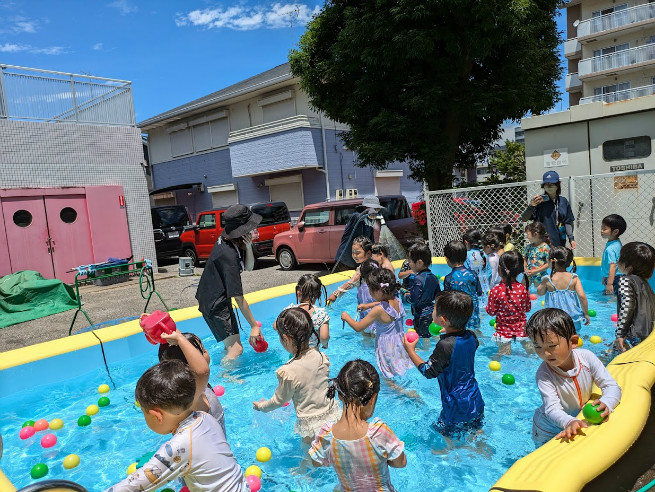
(221, 280)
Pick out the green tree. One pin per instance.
(429, 81)
(509, 163)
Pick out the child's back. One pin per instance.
(478, 262)
(465, 280)
(389, 351)
(421, 297)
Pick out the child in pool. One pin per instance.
(309, 290)
(491, 245)
(507, 234)
(166, 393)
(476, 259)
(304, 379)
(360, 452)
(365, 301)
(463, 280)
(565, 378)
(611, 228)
(509, 301)
(380, 253)
(635, 300)
(391, 357)
(563, 289)
(452, 362)
(361, 251)
(188, 348)
(425, 289)
(536, 252)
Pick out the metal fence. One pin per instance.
(43, 95)
(630, 194)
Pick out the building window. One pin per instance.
(626, 148)
(181, 143)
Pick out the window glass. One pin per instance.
(272, 213)
(341, 215)
(394, 209)
(317, 218)
(22, 218)
(626, 148)
(207, 220)
(68, 215)
(170, 217)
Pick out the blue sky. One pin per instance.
(172, 51)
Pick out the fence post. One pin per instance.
(4, 112)
(426, 195)
(77, 119)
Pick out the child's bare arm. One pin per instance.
(194, 358)
(324, 334)
(583, 300)
(542, 288)
(371, 317)
(609, 285)
(400, 462)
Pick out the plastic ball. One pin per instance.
(286, 404)
(28, 423)
(40, 425)
(131, 469)
(434, 329)
(103, 388)
(39, 470)
(263, 454)
(259, 324)
(137, 404)
(56, 424)
(48, 440)
(543, 303)
(84, 420)
(580, 342)
(411, 336)
(71, 461)
(26, 432)
(592, 414)
(92, 410)
(591, 313)
(261, 345)
(103, 401)
(254, 470)
(494, 365)
(167, 489)
(409, 322)
(219, 390)
(533, 297)
(508, 379)
(614, 317)
(184, 489)
(595, 339)
(254, 482)
(492, 322)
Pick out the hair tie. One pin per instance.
(370, 384)
(384, 284)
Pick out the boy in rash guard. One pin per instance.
(452, 363)
(424, 290)
(197, 452)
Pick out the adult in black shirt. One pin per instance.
(221, 280)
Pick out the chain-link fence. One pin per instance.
(630, 194)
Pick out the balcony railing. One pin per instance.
(617, 19)
(572, 47)
(44, 95)
(619, 59)
(573, 82)
(647, 90)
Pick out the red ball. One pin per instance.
(533, 297)
(184, 489)
(48, 440)
(411, 336)
(261, 345)
(286, 404)
(409, 322)
(614, 317)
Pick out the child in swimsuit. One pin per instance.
(308, 292)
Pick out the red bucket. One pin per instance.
(153, 325)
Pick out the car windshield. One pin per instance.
(272, 213)
(170, 217)
(394, 209)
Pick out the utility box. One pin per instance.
(186, 266)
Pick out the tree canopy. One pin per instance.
(429, 81)
(509, 164)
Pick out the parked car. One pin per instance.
(198, 241)
(168, 223)
(317, 234)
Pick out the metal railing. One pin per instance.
(616, 19)
(618, 59)
(43, 95)
(573, 81)
(646, 90)
(572, 47)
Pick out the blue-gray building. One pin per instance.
(258, 141)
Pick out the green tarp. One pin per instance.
(26, 295)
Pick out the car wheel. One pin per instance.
(191, 253)
(286, 259)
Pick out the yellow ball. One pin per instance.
(263, 454)
(595, 339)
(56, 424)
(92, 410)
(494, 365)
(254, 470)
(131, 469)
(543, 303)
(103, 388)
(71, 461)
(138, 405)
(580, 342)
(411, 329)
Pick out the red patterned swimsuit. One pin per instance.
(509, 308)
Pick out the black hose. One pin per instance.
(104, 358)
(53, 484)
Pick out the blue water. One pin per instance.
(118, 435)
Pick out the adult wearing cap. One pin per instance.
(221, 280)
(553, 211)
(362, 223)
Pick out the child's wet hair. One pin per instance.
(296, 323)
(639, 257)
(171, 352)
(550, 320)
(500, 235)
(366, 268)
(510, 266)
(455, 251)
(363, 242)
(169, 385)
(310, 288)
(456, 307)
(491, 238)
(380, 249)
(539, 230)
(615, 222)
(420, 251)
(383, 280)
(357, 383)
(473, 237)
(506, 228)
(563, 256)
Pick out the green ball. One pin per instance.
(492, 322)
(28, 422)
(84, 420)
(508, 379)
(434, 329)
(592, 414)
(39, 470)
(167, 489)
(103, 401)
(592, 313)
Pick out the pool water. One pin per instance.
(118, 435)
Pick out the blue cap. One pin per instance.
(551, 177)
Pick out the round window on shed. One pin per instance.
(68, 215)
(22, 218)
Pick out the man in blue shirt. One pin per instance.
(611, 228)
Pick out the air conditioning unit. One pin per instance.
(351, 193)
(338, 194)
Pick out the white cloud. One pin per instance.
(12, 48)
(125, 7)
(25, 25)
(97, 47)
(15, 48)
(52, 50)
(275, 16)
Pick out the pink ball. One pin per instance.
(41, 424)
(48, 440)
(26, 432)
(286, 404)
(254, 483)
(219, 390)
(259, 323)
(533, 297)
(409, 322)
(614, 317)
(411, 336)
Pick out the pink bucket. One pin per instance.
(153, 325)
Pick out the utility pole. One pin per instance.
(295, 11)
